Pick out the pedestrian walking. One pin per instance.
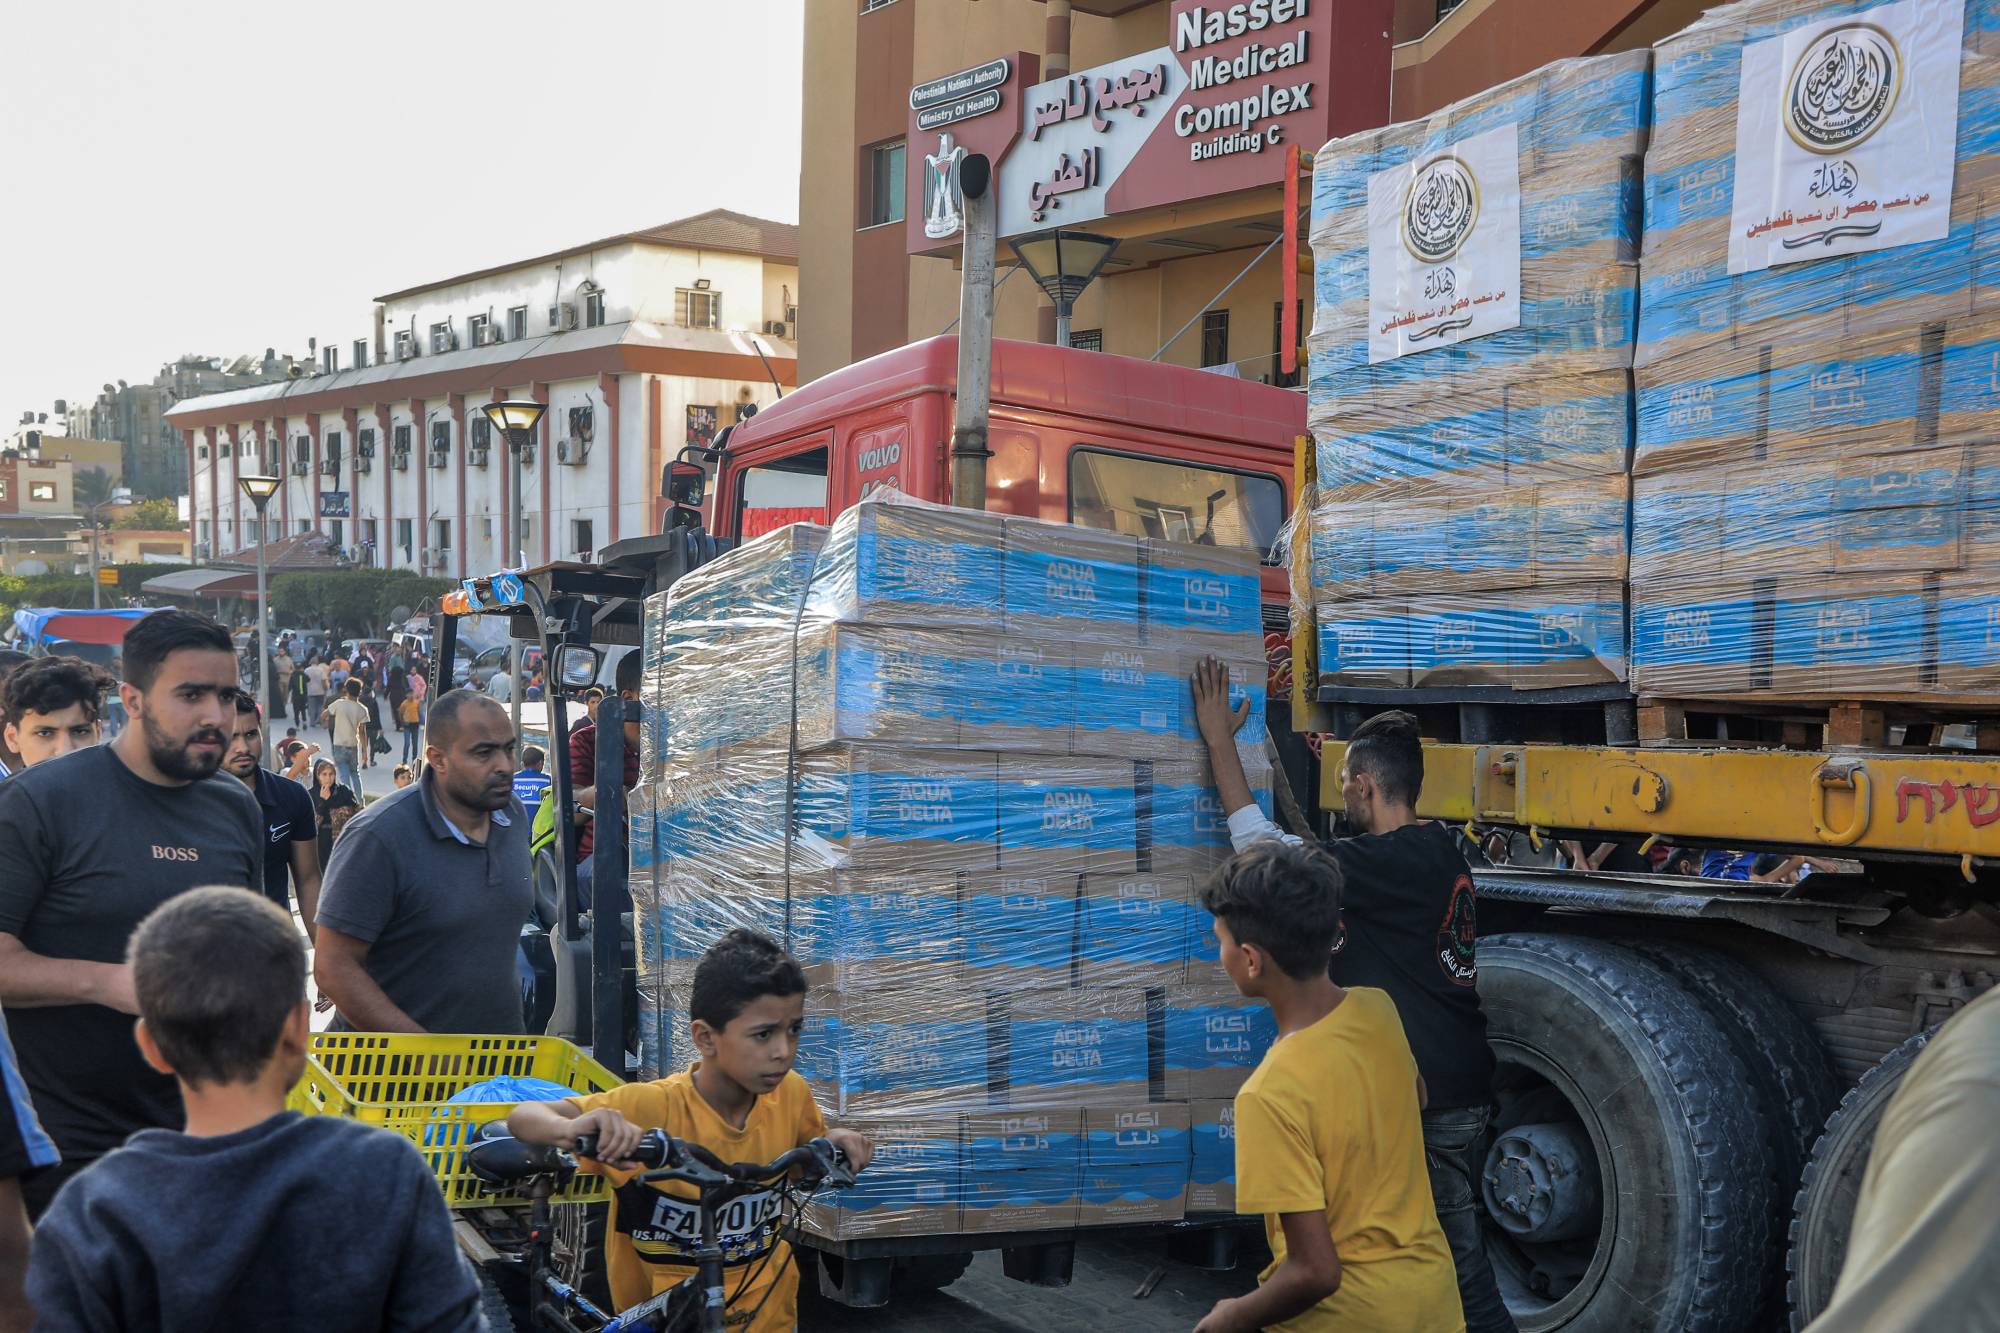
(376, 742)
(411, 714)
(316, 678)
(291, 842)
(334, 804)
(89, 844)
(347, 720)
(425, 896)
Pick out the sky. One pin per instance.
(194, 176)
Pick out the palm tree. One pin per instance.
(92, 486)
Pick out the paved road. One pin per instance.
(1099, 1297)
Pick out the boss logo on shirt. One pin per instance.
(175, 853)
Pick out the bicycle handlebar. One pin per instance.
(816, 1160)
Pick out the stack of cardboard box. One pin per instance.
(1475, 292)
(950, 759)
(1816, 477)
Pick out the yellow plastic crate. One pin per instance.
(401, 1081)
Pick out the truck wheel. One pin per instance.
(1824, 1209)
(1627, 1185)
(928, 1272)
(1794, 1084)
(579, 1250)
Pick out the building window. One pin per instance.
(475, 329)
(527, 529)
(1151, 497)
(1278, 375)
(593, 308)
(441, 533)
(367, 530)
(404, 536)
(885, 185)
(360, 353)
(867, 5)
(441, 340)
(402, 437)
(698, 308)
(329, 360)
(583, 542)
(204, 532)
(44, 491)
(201, 451)
(406, 344)
(302, 450)
(1087, 340)
(517, 323)
(305, 526)
(486, 527)
(1215, 338)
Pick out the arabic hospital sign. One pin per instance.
(1208, 113)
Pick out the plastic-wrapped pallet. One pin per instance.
(1470, 391)
(948, 757)
(1815, 470)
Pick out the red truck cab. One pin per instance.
(1080, 437)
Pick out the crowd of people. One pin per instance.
(153, 878)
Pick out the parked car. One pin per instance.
(492, 662)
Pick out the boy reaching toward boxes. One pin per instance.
(1329, 1144)
(742, 1101)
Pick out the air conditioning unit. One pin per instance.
(329, 467)
(438, 457)
(777, 328)
(399, 458)
(301, 467)
(364, 463)
(409, 352)
(488, 334)
(477, 454)
(201, 550)
(572, 453)
(563, 317)
(434, 557)
(528, 454)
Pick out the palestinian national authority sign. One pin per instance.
(1845, 135)
(1444, 246)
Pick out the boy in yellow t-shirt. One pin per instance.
(1329, 1143)
(741, 1101)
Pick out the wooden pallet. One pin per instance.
(1814, 724)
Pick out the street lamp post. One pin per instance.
(1063, 263)
(515, 418)
(119, 495)
(260, 490)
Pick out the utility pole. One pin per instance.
(975, 335)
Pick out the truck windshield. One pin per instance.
(791, 490)
(1151, 497)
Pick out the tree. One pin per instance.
(151, 516)
(92, 486)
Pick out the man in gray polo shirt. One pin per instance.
(420, 914)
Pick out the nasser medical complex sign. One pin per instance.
(1209, 112)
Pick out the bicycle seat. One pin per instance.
(507, 1160)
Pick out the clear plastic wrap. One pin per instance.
(949, 758)
(1471, 519)
(1816, 488)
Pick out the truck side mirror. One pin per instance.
(686, 484)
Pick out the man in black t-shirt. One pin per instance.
(1409, 925)
(89, 844)
(291, 835)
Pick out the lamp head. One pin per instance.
(1063, 263)
(259, 489)
(516, 418)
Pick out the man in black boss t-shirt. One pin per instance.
(1409, 925)
(89, 844)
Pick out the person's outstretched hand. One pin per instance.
(1217, 721)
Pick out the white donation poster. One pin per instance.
(1844, 135)
(1444, 246)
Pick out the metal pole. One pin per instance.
(975, 336)
(263, 637)
(1063, 312)
(94, 590)
(514, 560)
(1276, 241)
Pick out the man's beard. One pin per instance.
(480, 796)
(173, 758)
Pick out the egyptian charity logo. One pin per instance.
(1439, 210)
(1842, 88)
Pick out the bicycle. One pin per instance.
(700, 1301)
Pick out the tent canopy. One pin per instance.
(40, 624)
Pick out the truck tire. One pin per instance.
(1788, 1070)
(1824, 1210)
(579, 1249)
(493, 1305)
(1667, 1194)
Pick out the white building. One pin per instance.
(639, 344)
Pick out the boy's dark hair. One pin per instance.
(245, 704)
(353, 687)
(51, 684)
(401, 771)
(741, 967)
(626, 674)
(532, 757)
(148, 643)
(1386, 747)
(218, 972)
(1283, 899)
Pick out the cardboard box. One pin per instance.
(1065, 581)
(1135, 1164)
(858, 932)
(1081, 1047)
(1967, 620)
(1015, 694)
(1203, 597)
(1020, 931)
(1214, 1039)
(1133, 930)
(1021, 1169)
(897, 562)
(907, 1052)
(898, 686)
(1364, 644)
(911, 1187)
(1130, 699)
(1187, 830)
(1249, 681)
(1066, 815)
(1849, 637)
(878, 808)
(1701, 636)
(1212, 1176)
